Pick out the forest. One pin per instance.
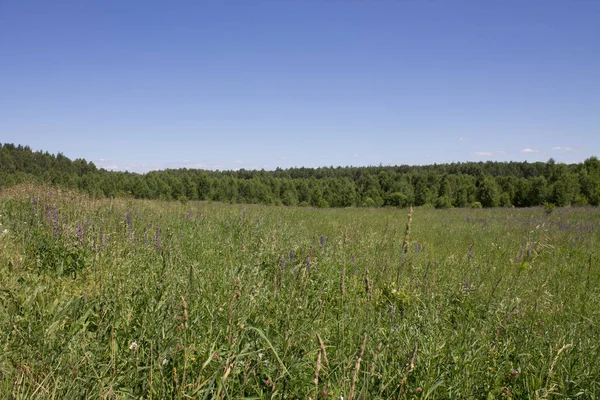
(468, 184)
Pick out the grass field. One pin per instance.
(140, 299)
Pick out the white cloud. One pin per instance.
(463, 139)
(529, 151)
(355, 155)
(563, 148)
(483, 153)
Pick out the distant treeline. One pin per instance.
(471, 184)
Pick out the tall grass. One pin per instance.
(140, 299)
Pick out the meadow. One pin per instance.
(197, 300)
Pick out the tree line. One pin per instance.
(469, 184)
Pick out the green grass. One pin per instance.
(485, 304)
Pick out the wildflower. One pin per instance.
(165, 362)
(514, 372)
(133, 345)
(157, 239)
(325, 393)
(292, 254)
(79, 232)
(322, 240)
(267, 382)
(129, 223)
(215, 356)
(5, 231)
(282, 262)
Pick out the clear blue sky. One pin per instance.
(145, 85)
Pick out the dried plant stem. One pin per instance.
(185, 312)
(411, 367)
(407, 232)
(323, 350)
(317, 369)
(343, 280)
(357, 367)
(368, 288)
(372, 370)
(565, 347)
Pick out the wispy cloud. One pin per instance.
(529, 151)
(563, 148)
(463, 139)
(355, 155)
(488, 153)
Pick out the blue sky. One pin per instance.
(143, 85)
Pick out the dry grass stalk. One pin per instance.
(185, 312)
(550, 372)
(323, 350)
(357, 367)
(411, 367)
(343, 280)
(368, 288)
(317, 369)
(407, 233)
(372, 370)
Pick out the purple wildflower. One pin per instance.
(53, 214)
(322, 240)
(157, 239)
(102, 240)
(292, 254)
(129, 223)
(283, 262)
(79, 231)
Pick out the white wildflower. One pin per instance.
(4, 232)
(133, 345)
(165, 362)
